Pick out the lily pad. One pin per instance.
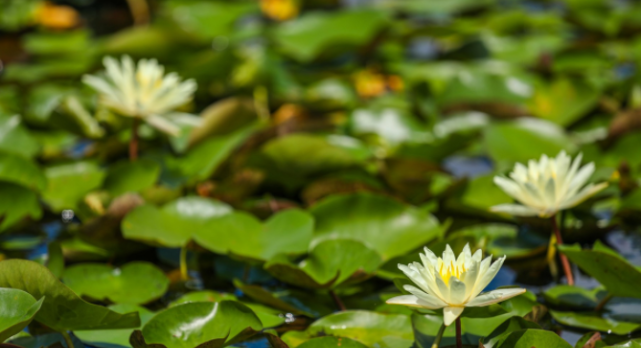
(529, 338)
(524, 139)
(307, 36)
(14, 138)
(328, 342)
(329, 264)
(128, 176)
(174, 224)
(615, 273)
(19, 170)
(62, 309)
(24, 202)
(574, 297)
(18, 309)
(382, 224)
(202, 296)
(192, 324)
(501, 333)
(134, 283)
(268, 317)
(203, 159)
(294, 157)
(120, 337)
(241, 234)
(67, 184)
(564, 101)
(594, 321)
(369, 328)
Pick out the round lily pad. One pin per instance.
(383, 224)
(133, 283)
(193, 324)
(174, 224)
(241, 234)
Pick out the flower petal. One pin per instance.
(584, 194)
(450, 314)
(163, 125)
(457, 292)
(429, 301)
(515, 209)
(494, 296)
(486, 277)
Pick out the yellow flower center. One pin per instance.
(452, 270)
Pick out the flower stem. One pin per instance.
(439, 336)
(184, 271)
(459, 339)
(139, 11)
(564, 259)
(338, 301)
(603, 302)
(133, 142)
(68, 340)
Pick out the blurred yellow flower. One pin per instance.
(452, 283)
(280, 10)
(545, 187)
(369, 83)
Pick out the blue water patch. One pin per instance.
(468, 167)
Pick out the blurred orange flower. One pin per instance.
(57, 16)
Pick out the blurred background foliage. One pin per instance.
(413, 104)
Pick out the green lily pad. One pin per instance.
(482, 193)
(134, 283)
(594, 321)
(529, 338)
(129, 176)
(174, 224)
(67, 184)
(564, 101)
(525, 139)
(328, 342)
(19, 170)
(14, 138)
(203, 159)
(501, 333)
(193, 324)
(306, 37)
(635, 343)
(612, 271)
(369, 328)
(574, 297)
(62, 309)
(293, 158)
(119, 337)
(382, 224)
(268, 317)
(329, 264)
(23, 202)
(241, 234)
(18, 309)
(202, 296)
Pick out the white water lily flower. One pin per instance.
(452, 283)
(142, 91)
(545, 187)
